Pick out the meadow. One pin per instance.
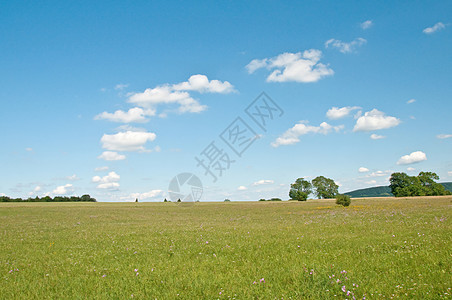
(375, 249)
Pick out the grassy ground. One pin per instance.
(377, 248)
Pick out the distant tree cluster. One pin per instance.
(271, 199)
(84, 198)
(403, 185)
(322, 187)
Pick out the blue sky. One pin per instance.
(115, 98)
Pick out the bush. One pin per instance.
(343, 200)
(227, 200)
(275, 199)
(261, 199)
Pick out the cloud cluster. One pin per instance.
(344, 47)
(412, 158)
(109, 181)
(179, 94)
(298, 67)
(133, 115)
(335, 113)
(292, 135)
(127, 140)
(263, 181)
(434, 28)
(63, 190)
(145, 196)
(375, 120)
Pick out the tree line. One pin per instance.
(84, 198)
(403, 185)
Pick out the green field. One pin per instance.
(377, 248)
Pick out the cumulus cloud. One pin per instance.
(72, 177)
(242, 188)
(366, 24)
(376, 136)
(444, 136)
(434, 28)
(345, 47)
(411, 101)
(335, 113)
(412, 158)
(127, 141)
(298, 67)
(375, 120)
(179, 94)
(111, 155)
(109, 181)
(292, 135)
(363, 170)
(133, 115)
(145, 196)
(263, 181)
(63, 190)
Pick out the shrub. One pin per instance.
(275, 199)
(343, 200)
(261, 199)
(227, 200)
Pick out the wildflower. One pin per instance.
(136, 270)
(103, 276)
(262, 280)
(254, 282)
(207, 242)
(343, 288)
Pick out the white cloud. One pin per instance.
(449, 173)
(127, 141)
(412, 158)
(263, 181)
(371, 182)
(292, 135)
(345, 47)
(379, 173)
(444, 136)
(29, 149)
(121, 86)
(242, 188)
(72, 177)
(335, 113)
(63, 190)
(37, 189)
(411, 101)
(363, 170)
(410, 169)
(434, 28)
(375, 120)
(110, 155)
(298, 67)
(145, 196)
(178, 94)
(376, 136)
(201, 83)
(366, 24)
(109, 181)
(100, 169)
(133, 115)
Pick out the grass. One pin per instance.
(377, 248)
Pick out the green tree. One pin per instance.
(300, 190)
(325, 188)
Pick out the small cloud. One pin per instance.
(449, 173)
(127, 141)
(103, 90)
(292, 135)
(434, 28)
(411, 101)
(410, 169)
(379, 173)
(375, 120)
(37, 189)
(412, 117)
(366, 24)
(121, 86)
(72, 177)
(335, 113)
(363, 170)
(242, 188)
(63, 190)
(111, 155)
(371, 182)
(144, 196)
(109, 181)
(133, 115)
(412, 158)
(29, 149)
(263, 181)
(344, 47)
(444, 136)
(376, 136)
(101, 169)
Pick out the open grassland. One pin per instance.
(377, 248)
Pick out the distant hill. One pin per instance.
(383, 191)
